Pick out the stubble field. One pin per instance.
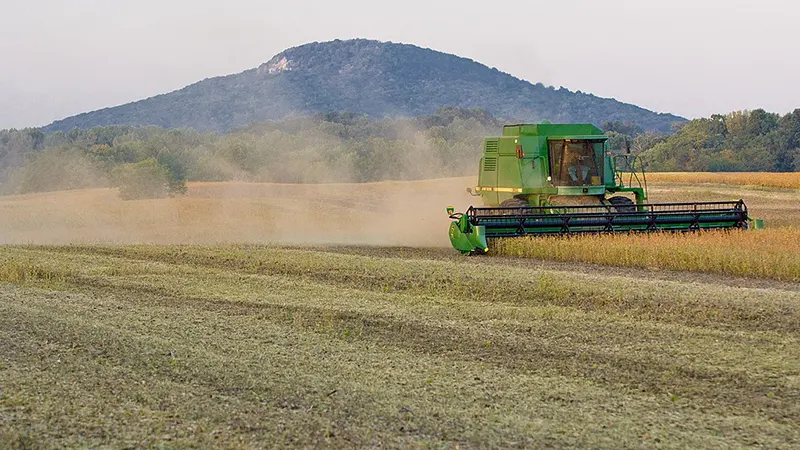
(173, 323)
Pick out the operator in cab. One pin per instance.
(579, 163)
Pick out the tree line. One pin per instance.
(333, 147)
(741, 141)
(341, 147)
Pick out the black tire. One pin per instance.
(622, 204)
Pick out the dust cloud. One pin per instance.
(403, 213)
(302, 194)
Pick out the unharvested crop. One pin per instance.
(770, 253)
(789, 180)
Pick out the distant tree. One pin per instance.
(739, 141)
(17, 148)
(619, 142)
(760, 122)
(58, 169)
(626, 128)
(790, 129)
(647, 140)
(788, 146)
(144, 179)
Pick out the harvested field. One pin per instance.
(251, 345)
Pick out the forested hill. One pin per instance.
(364, 77)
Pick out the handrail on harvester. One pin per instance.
(632, 172)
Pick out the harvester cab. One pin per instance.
(562, 179)
(550, 164)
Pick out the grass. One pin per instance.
(253, 346)
(770, 253)
(789, 180)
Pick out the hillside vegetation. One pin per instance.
(339, 147)
(344, 147)
(379, 79)
(742, 141)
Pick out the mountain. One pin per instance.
(366, 77)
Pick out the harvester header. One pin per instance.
(544, 179)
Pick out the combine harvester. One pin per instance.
(553, 179)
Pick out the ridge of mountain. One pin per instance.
(379, 79)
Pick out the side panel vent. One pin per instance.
(492, 145)
(490, 164)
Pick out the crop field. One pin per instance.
(249, 316)
(770, 253)
(789, 180)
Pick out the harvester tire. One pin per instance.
(622, 204)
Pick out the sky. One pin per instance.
(692, 58)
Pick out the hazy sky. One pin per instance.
(692, 58)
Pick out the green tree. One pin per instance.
(620, 127)
(144, 179)
(788, 155)
(58, 169)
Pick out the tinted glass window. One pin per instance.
(576, 163)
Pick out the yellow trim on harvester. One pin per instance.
(497, 189)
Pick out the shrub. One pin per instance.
(146, 179)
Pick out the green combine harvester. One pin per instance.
(557, 179)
